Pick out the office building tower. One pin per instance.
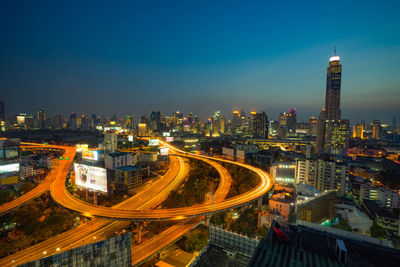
(259, 125)
(332, 132)
(358, 131)
(236, 122)
(142, 129)
(216, 123)
(190, 118)
(110, 142)
(274, 129)
(291, 122)
(376, 131)
(41, 119)
(72, 122)
(394, 123)
(155, 119)
(313, 122)
(129, 122)
(58, 121)
(333, 84)
(336, 137)
(222, 125)
(178, 117)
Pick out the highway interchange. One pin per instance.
(140, 207)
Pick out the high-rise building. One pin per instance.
(291, 122)
(156, 119)
(336, 137)
(376, 131)
(358, 131)
(332, 132)
(216, 123)
(142, 129)
(58, 121)
(333, 84)
(41, 119)
(274, 129)
(129, 122)
(259, 124)
(73, 122)
(236, 122)
(323, 174)
(313, 126)
(222, 125)
(190, 118)
(394, 123)
(110, 142)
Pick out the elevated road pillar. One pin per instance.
(259, 204)
(95, 198)
(207, 220)
(139, 232)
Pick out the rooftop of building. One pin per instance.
(344, 200)
(303, 246)
(117, 154)
(373, 207)
(129, 168)
(311, 201)
(216, 256)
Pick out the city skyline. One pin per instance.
(200, 65)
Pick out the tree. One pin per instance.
(26, 187)
(28, 217)
(343, 225)
(377, 231)
(5, 196)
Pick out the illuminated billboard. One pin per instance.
(164, 151)
(14, 167)
(130, 138)
(169, 139)
(90, 154)
(153, 142)
(81, 147)
(166, 134)
(91, 177)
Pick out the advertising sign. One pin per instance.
(81, 147)
(166, 134)
(164, 151)
(91, 177)
(90, 154)
(130, 138)
(153, 142)
(14, 167)
(169, 139)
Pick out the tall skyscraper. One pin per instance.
(156, 119)
(129, 122)
(333, 83)
(259, 125)
(332, 132)
(236, 122)
(41, 119)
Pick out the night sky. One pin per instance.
(198, 56)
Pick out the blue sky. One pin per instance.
(198, 56)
